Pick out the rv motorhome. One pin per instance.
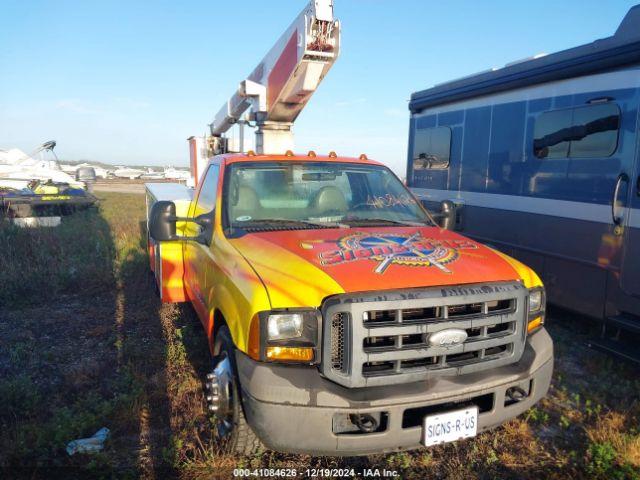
(540, 159)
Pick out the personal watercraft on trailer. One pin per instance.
(36, 192)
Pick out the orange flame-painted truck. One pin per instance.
(341, 319)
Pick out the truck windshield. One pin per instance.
(289, 195)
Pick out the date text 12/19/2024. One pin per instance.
(315, 473)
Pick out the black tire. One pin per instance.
(154, 281)
(240, 440)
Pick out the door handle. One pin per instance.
(617, 219)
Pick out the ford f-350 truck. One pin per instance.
(341, 319)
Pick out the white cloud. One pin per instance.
(396, 112)
(75, 105)
(131, 103)
(113, 105)
(350, 103)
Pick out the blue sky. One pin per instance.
(127, 82)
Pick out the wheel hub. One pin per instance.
(219, 386)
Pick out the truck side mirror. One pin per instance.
(206, 223)
(162, 221)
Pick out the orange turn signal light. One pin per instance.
(297, 354)
(534, 324)
(254, 338)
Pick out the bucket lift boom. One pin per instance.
(274, 94)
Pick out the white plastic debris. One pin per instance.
(89, 445)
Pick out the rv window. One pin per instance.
(598, 131)
(583, 132)
(550, 139)
(432, 148)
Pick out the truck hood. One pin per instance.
(302, 267)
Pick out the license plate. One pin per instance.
(450, 426)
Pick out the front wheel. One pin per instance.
(232, 432)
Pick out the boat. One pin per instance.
(171, 173)
(36, 191)
(152, 174)
(15, 164)
(127, 172)
(71, 169)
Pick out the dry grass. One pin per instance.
(95, 348)
(44, 263)
(613, 429)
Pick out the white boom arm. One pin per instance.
(281, 85)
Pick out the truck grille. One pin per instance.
(384, 338)
(338, 338)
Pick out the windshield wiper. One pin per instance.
(374, 221)
(259, 223)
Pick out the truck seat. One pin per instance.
(329, 200)
(247, 203)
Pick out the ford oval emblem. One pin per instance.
(451, 337)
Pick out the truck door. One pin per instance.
(198, 257)
(631, 260)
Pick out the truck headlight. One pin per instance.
(535, 301)
(285, 335)
(283, 326)
(537, 305)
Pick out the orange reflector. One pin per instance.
(254, 338)
(288, 153)
(332, 154)
(534, 324)
(251, 153)
(363, 157)
(311, 154)
(298, 354)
